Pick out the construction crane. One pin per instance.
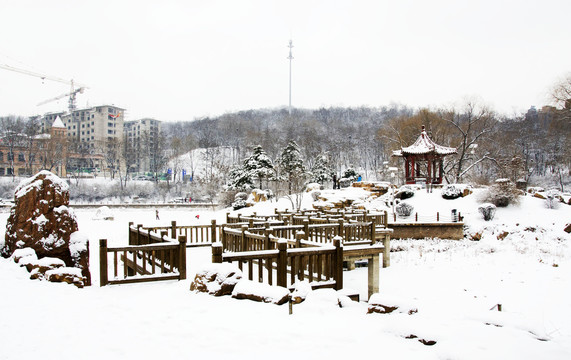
(72, 93)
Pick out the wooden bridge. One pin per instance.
(279, 249)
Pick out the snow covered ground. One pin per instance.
(455, 285)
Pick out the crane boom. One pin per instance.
(72, 93)
(80, 90)
(41, 76)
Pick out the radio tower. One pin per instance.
(290, 58)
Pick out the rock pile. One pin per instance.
(41, 221)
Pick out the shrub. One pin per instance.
(451, 192)
(552, 199)
(404, 209)
(404, 192)
(502, 193)
(487, 210)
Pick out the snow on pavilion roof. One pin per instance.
(424, 145)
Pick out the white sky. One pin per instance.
(180, 60)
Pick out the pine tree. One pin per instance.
(321, 170)
(291, 165)
(259, 165)
(240, 180)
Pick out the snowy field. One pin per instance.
(455, 285)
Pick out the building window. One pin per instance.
(10, 156)
(1, 156)
(2, 171)
(109, 131)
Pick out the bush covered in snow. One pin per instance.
(552, 199)
(404, 209)
(502, 193)
(451, 192)
(405, 192)
(487, 210)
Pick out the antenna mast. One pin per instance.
(290, 58)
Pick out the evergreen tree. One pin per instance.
(291, 165)
(240, 180)
(259, 165)
(321, 170)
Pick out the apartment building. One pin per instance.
(143, 137)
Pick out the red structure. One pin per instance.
(423, 160)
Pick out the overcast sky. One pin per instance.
(182, 60)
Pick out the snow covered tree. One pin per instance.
(239, 180)
(321, 170)
(291, 166)
(259, 165)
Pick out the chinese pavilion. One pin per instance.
(423, 160)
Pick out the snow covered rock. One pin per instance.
(313, 187)
(103, 213)
(325, 299)
(24, 253)
(217, 279)
(300, 291)
(246, 289)
(385, 305)
(41, 220)
(69, 275)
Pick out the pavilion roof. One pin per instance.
(424, 145)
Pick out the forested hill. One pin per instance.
(489, 146)
(349, 135)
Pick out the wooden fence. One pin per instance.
(321, 266)
(142, 262)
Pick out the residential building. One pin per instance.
(142, 136)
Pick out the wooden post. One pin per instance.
(138, 242)
(341, 230)
(103, 279)
(182, 257)
(338, 264)
(173, 229)
(131, 233)
(386, 220)
(282, 264)
(244, 242)
(437, 216)
(373, 269)
(387, 251)
(217, 253)
(227, 218)
(306, 227)
(298, 237)
(267, 232)
(213, 232)
(373, 233)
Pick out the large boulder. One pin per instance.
(41, 220)
(217, 279)
(261, 292)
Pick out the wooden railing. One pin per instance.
(142, 262)
(196, 235)
(322, 266)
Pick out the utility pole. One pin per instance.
(290, 58)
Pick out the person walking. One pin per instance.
(157, 214)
